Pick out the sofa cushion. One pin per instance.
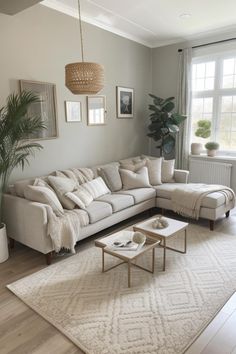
(98, 210)
(131, 160)
(167, 171)
(154, 171)
(117, 201)
(140, 194)
(20, 186)
(212, 200)
(133, 166)
(133, 180)
(111, 175)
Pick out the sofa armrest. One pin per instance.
(181, 176)
(26, 222)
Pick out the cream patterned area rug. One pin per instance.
(161, 313)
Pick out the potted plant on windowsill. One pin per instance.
(164, 123)
(203, 131)
(15, 148)
(212, 147)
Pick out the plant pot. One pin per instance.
(3, 244)
(196, 148)
(211, 153)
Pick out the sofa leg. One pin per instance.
(227, 213)
(48, 257)
(12, 243)
(212, 224)
(162, 211)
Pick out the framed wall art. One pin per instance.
(73, 111)
(46, 108)
(96, 110)
(125, 102)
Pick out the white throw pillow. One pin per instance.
(44, 195)
(154, 171)
(133, 166)
(61, 186)
(81, 197)
(96, 187)
(167, 171)
(137, 179)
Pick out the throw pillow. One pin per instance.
(134, 166)
(110, 174)
(45, 196)
(81, 197)
(154, 171)
(137, 179)
(167, 171)
(96, 187)
(66, 173)
(42, 183)
(61, 186)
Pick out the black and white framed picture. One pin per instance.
(73, 111)
(125, 102)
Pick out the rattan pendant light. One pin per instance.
(83, 77)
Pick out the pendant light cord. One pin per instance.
(81, 32)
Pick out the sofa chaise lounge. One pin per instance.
(27, 221)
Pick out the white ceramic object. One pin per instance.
(160, 222)
(196, 148)
(4, 254)
(139, 237)
(211, 153)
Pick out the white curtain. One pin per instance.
(184, 107)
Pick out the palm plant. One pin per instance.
(15, 127)
(164, 123)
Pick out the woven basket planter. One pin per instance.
(84, 78)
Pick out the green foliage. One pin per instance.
(164, 123)
(15, 127)
(204, 129)
(212, 145)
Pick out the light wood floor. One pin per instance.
(22, 331)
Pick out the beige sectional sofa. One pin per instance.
(27, 221)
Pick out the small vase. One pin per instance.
(196, 148)
(211, 153)
(3, 244)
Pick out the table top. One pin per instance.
(174, 227)
(124, 235)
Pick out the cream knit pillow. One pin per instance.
(133, 180)
(44, 195)
(154, 171)
(81, 197)
(167, 171)
(96, 187)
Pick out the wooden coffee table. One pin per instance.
(175, 226)
(128, 257)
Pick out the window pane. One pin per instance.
(226, 134)
(228, 67)
(201, 110)
(229, 74)
(203, 76)
(227, 104)
(228, 81)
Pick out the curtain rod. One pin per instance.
(210, 43)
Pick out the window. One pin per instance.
(214, 100)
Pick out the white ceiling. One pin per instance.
(155, 22)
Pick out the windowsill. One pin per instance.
(217, 157)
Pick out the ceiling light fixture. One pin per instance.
(84, 78)
(185, 16)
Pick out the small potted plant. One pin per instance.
(212, 147)
(203, 131)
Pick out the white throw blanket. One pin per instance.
(187, 199)
(64, 230)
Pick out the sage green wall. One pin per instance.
(35, 45)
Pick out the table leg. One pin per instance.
(164, 255)
(185, 240)
(129, 280)
(103, 260)
(153, 259)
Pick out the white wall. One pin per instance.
(36, 44)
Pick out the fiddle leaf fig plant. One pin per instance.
(164, 123)
(15, 128)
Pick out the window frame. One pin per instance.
(217, 93)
